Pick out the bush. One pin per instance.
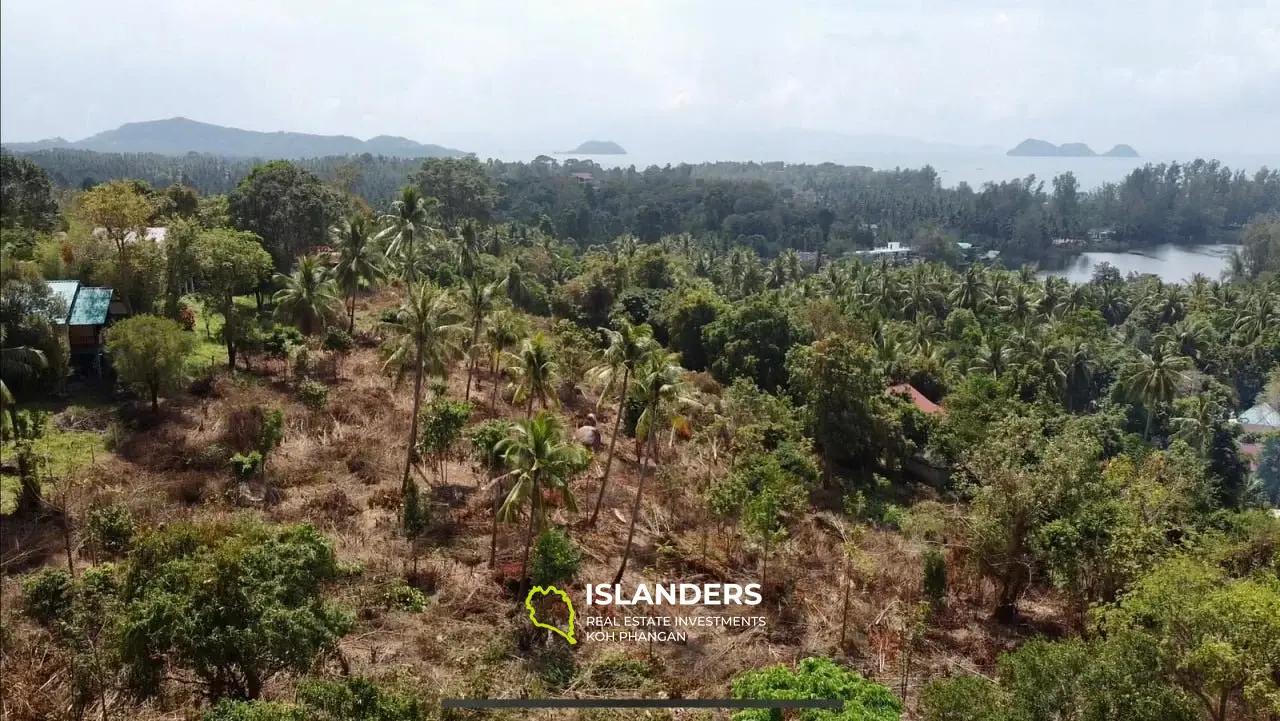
(556, 558)
(280, 340)
(245, 466)
(337, 339)
(404, 597)
(110, 529)
(935, 576)
(230, 604)
(313, 394)
(817, 678)
(390, 315)
(47, 595)
(965, 698)
(187, 318)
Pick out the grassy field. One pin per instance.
(64, 452)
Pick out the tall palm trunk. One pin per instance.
(493, 536)
(534, 508)
(351, 313)
(413, 423)
(493, 393)
(471, 362)
(635, 509)
(613, 442)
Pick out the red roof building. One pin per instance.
(924, 404)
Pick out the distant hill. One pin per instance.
(1121, 151)
(596, 147)
(179, 136)
(1031, 147)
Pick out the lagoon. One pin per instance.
(1173, 263)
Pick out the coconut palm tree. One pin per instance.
(1078, 365)
(358, 264)
(662, 394)
(1188, 337)
(1257, 315)
(1153, 379)
(479, 301)
(534, 372)
(1048, 362)
(309, 298)
(1019, 306)
(994, 357)
(791, 265)
(1113, 303)
(408, 221)
(540, 457)
(1197, 419)
(425, 337)
(628, 347)
(971, 291)
(504, 330)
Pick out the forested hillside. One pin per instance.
(340, 436)
(774, 206)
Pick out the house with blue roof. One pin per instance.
(88, 311)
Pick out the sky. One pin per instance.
(1170, 76)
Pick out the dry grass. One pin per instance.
(340, 469)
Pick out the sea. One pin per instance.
(974, 168)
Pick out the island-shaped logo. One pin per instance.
(538, 592)
(1034, 148)
(596, 147)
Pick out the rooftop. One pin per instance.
(1261, 416)
(85, 305)
(916, 397)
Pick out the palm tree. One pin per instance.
(470, 246)
(1197, 421)
(1113, 304)
(628, 348)
(358, 263)
(993, 357)
(479, 300)
(1188, 336)
(971, 291)
(534, 371)
(408, 220)
(540, 458)
(1153, 379)
(1019, 307)
(1078, 365)
(503, 331)
(309, 298)
(1048, 361)
(1256, 316)
(426, 333)
(662, 393)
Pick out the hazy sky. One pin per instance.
(1173, 75)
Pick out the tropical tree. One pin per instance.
(309, 297)
(358, 264)
(662, 394)
(540, 458)
(408, 221)
(486, 449)
(230, 263)
(479, 301)
(628, 347)
(426, 335)
(504, 330)
(150, 353)
(534, 371)
(971, 291)
(1153, 379)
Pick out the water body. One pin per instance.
(1173, 263)
(974, 168)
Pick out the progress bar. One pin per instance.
(836, 704)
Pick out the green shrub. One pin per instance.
(556, 558)
(965, 698)
(935, 576)
(109, 529)
(47, 595)
(337, 339)
(404, 597)
(313, 394)
(816, 678)
(245, 467)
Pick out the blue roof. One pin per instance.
(65, 290)
(1261, 415)
(85, 306)
(91, 307)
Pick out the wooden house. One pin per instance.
(88, 311)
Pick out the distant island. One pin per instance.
(179, 136)
(597, 147)
(1034, 148)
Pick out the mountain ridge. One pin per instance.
(1036, 148)
(179, 136)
